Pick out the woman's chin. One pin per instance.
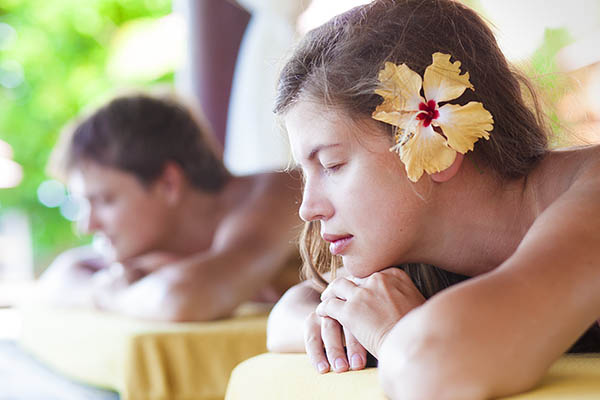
(356, 267)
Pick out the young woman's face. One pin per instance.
(355, 187)
(133, 217)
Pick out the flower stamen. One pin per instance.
(428, 112)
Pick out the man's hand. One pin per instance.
(148, 263)
(109, 284)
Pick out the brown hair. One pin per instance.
(139, 134)
(337, 64)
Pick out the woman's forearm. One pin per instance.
(286, 321)
(488, 337)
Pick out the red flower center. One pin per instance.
(428, 112)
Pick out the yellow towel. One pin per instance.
(290, 376)
(144, 360)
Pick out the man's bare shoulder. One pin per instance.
(266, 209)
(273, 191)
(279, 182)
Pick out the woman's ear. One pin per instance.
(450, 172)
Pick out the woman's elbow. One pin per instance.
(277, 341)
(279, 338)
(421, 374)
(423, 361)
(285, 324)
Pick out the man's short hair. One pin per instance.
(139, 134)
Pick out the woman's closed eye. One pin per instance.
(330, 169)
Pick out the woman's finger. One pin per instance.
(331, 332)
(357, 354)
(341, 288)
(314, 344)
(331, 307)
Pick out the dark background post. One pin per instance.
(215, 34)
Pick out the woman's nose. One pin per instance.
(315, 205)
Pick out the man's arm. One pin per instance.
(251, 246)
(69, 279)
(205, 286)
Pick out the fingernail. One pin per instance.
(356, 361)
(323, 367)
(340, 363)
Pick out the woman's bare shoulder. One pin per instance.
(562, 242)
(581, 157)
(590, 167)
(567, 169)
(567, 230)
(576, 182)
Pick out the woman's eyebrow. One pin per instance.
(320, 147)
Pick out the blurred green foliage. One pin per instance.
(62, 48)
(552, 83)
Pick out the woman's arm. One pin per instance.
(288, 318)
(497, 334)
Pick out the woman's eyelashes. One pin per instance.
(332, 168)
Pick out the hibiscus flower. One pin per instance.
(430, 135)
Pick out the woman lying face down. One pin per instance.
(418, 149)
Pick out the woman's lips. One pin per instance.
(338, 243)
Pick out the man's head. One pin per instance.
(131, 160)
(140, 135)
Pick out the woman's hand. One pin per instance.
(324, 339)
(369, 308)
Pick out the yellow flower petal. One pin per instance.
(387, 113)
(425, 151)
(464, 125)
(400, 86)
(442, 80)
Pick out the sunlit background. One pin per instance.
(58, 57)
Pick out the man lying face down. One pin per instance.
(187, 240)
